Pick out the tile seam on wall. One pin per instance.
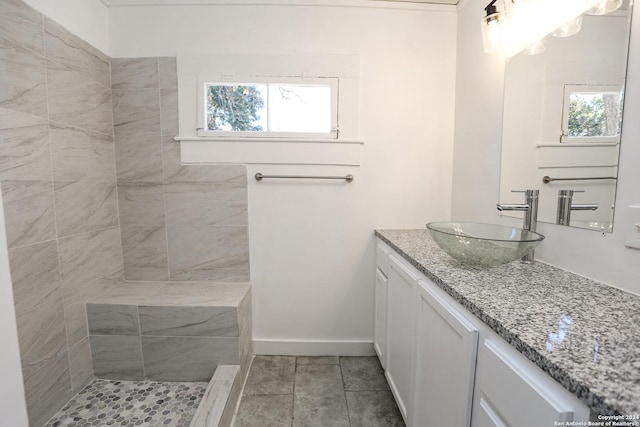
(115, 180)
(33, 116)
(32, 243)
(55, 217)
(144, 373)
(68, 125)
(162, 161)
(101, 181)
(68, 236)
(172, 336)
(71, 70)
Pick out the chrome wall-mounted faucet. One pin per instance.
(530, 209)
(566, 205)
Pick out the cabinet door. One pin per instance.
(485, 416)
(401, 307)
(379, 338)
(382, 257)
(520, 392)
(445, 361)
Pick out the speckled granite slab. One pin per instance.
(584, 334)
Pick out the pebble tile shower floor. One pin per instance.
(131, 403)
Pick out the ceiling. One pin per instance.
(426, 1)
(110, 3)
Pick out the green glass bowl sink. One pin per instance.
(484, 245)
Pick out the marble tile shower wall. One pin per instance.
(57, 174)
(178, 222)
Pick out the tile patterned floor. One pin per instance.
(317, 391)
(131, 403)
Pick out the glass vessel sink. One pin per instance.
(485, 245)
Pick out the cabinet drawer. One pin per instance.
(519, 391)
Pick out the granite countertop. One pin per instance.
(584, 334)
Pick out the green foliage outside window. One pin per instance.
(594, 115)
(234, 108)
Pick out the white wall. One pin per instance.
(12, 402)
(476, 173)
(87, 19)
(312, 245)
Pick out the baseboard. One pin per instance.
(313, 348)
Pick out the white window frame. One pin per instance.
(331, 82)
(568, 90)
(345, 150)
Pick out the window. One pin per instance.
(268, 108)
(298, 109)
(592, 113)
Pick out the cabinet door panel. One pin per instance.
(382, 257)
(401, 303)
(445, 362)
(519, 396)
(379, 340)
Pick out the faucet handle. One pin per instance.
(568, 193)
(528, 192)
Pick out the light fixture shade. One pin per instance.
(569, 29)
(536, 49)
(604, 7)
(491, 32)
(528, 21)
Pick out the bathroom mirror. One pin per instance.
(562, 119)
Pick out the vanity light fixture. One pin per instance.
(491, 28)
(536, 48)
(523, 24)
(605, 6)
(569, 29)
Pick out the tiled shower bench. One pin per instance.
(175, 331)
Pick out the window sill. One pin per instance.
(295, 151)
(262, 139)
(569, 144)
(571, 155)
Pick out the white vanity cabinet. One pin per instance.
(379, 338)
(380, 317)
(511, 391)
(446, 367)
(445, 361)
(400, 331)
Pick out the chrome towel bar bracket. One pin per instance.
(260, 177)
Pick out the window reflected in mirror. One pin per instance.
(592, 113)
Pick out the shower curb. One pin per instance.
(216, 398)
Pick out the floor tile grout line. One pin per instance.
(344, 391)
(293, 395)
(352, 414)
(268, 394)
